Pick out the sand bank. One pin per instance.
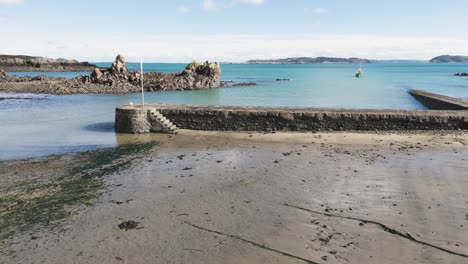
(209, 197)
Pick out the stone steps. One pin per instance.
(168, 126)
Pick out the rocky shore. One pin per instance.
(34, 64)
(117, 80)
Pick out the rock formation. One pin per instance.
(117, 73)
(195, 76)
(117, 79)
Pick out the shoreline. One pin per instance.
(117, 79)
(175, 194)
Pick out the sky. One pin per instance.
(233, 30)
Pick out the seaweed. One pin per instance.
(40, 204)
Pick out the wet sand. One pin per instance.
(208, 197)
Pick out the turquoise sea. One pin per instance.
(52, 124)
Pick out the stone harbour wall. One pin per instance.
(439, 102)
(137, 119)
(132, 120)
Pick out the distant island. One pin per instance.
(14, 63)
(449, 58)
(309, 60)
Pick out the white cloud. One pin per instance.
(317, 10)
(254, 2)
(183, 10)
(11, 2)
(215, 4)
(3, 19)
(209, 4)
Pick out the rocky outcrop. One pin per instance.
(449, 59)
(462, 74)
(14, 63)
(117, 73)
(117, 79)
(196, 76)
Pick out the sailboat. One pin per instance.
(359, 72)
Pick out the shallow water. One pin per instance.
(51, 124)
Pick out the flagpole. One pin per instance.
(142, 91)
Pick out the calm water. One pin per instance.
(58, 124)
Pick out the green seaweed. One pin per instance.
(51, 202)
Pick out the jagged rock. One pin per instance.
(206, 69)
(119, 67)
(3, 73)
(196, 76)
(117, 73)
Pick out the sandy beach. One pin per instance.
(209, 197)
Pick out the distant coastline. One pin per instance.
(15, 63)
(325, 60)
(309, 60)
(24, 63)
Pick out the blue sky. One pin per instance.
(233, 30)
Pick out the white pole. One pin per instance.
(142, 91)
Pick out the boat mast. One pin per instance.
(141, 77)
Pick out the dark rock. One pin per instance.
(128, 225)
(117, 73)
(235, 84)
(39, 78)
(463, 74)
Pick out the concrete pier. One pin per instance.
(138, 119)
(439, 102)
